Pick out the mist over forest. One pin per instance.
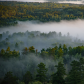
(40, 36)
(73, 27)
(41, 43)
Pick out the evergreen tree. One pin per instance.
(65, 49)
(27, 77)
(81, 69)
(16, 45)
(58, 77)
(41, 76)
(60, 52)
(9, 79)
(74, 74)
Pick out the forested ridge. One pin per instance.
(10, 12)
(22, 62)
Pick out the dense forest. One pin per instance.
(33, 57)
(41, 58)
(11, 12)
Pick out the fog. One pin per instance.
(72, 2)
(42, 35)
(30, 63)
(24, 64)
(74, 27)
(35, 37)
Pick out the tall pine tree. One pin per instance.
(58, 77)
(41, 72)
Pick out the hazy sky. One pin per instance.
(41, 0)
(59, 1)
(27, 0)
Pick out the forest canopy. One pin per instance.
(12, 11)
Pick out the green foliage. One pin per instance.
(75, 50)
(36, 82)
(27, 77)
(44, 54)
(60, 52)
(41, 72)
(19, 82)
(31, 49)
(9, 79)
(12, 11)
(61, 69)
(25, 51)
(16, 45)
(76, 74)
(65, 50)
(57, 78)
(8, 54)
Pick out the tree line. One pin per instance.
(10, 12)
(20, 40)
(55, 52)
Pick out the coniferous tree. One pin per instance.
(27, 77)
(9, 79)
(16, 45)
(58, 77)
(74, 76)
(81, 70)
(41, 72)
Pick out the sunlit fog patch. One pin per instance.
(72, 2)
(74, 27)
